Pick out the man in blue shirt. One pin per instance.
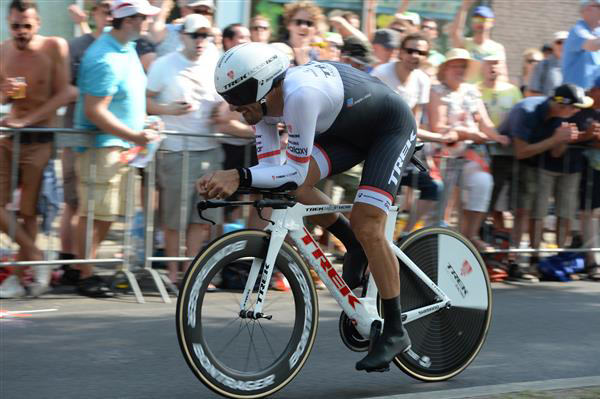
(540, 133)
(581, 52)
(112, 102)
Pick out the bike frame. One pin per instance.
(363, 310)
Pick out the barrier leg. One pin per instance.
(149, 231)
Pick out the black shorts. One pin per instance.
(375, 126)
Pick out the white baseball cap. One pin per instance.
(127, 8)
(198, 3)
(561, 35)
(193, 22)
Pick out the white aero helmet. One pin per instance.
(246, 73)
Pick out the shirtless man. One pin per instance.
(43, 64)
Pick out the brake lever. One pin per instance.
(204, 205)
(260, 209)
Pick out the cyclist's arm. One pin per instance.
(300, 115)
(268, 149)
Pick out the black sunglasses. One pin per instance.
(198, 35)
(559, 41)
(203, 11)
(412, 51)
(300, 22)
(19, 26)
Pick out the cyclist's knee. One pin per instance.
(368, 223)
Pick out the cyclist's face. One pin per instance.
(252, 113)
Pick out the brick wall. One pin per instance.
(521, 24)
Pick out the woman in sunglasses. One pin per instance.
(301, 21)
(456, 109)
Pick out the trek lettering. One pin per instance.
(333, 275)
(397, 172)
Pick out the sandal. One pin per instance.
(95, 287)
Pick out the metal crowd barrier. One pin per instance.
(83, 138)
(126, 263)
(453, 166)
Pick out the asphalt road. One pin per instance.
(543, 336)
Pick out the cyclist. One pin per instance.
(337, 117)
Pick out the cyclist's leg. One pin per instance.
(386, 159)
(331, 156)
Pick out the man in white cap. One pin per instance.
(166, 36)
(547, 74)
(182, 91)
(581, 52)
(112, 103)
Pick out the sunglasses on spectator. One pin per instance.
(300, 22)
(413, 51)
(532, 61)
(559, 41)
(199, 35)
(203, 11)
(19, 26)
(259, 27)
(401, 30)
(481, 20)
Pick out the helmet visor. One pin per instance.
(242, 94)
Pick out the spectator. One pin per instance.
(301, 20)
(181, 90)
(537, 125)
(145, 47)
(352, 18)
(386, 43)
(406, 22)
(589, 190)
(547, 50)
(260, 29)
(235, 34)
(581, 58)
(499, 97)
(358, 53)
(559, 174)
(111, 101)
(547, 74)
(407, 79)
(480, 45)
(531, 58)
(456, 108)
(333, 50)
(34, 79)
(404, 75)
(166, 36)
(429, 28)
(102, 17)
(218, 39)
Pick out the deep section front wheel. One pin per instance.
(451, 337)
(245, 357)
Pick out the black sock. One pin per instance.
(342, 231)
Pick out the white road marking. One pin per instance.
(542, 385)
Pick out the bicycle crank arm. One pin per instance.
(424, 361)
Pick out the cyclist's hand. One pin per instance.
(220, 184)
